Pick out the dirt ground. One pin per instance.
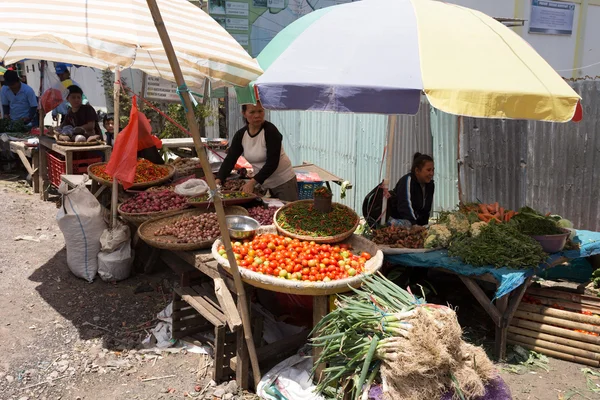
(64, 338)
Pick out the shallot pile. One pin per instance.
(154, 201)
(198, 228)
(264, 215)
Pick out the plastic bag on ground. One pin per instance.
(192, 187)
(290, 379)
(81, 222)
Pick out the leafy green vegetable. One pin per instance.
(532, 223)
(499, 245)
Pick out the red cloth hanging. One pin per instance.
(123, 160)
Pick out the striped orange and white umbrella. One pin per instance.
(109, 33)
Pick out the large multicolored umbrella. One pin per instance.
(108, 33)
(378, 56)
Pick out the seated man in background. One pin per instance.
(19, 102)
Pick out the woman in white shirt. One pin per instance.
(261, 145)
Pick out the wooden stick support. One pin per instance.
(114, 201)
(555, 331)
(555, 354)
(553, 312)
(210, 179)
(557, 321)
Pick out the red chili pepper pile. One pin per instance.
(301, 219)
(145, 172)
(300, 260)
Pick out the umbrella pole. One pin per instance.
(392, 119)
(115, 184)
(193, 124)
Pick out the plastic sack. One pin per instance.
(116, 265)
(51, 99)
(192, 187)
(81, 222)
(116, 257)
(290, 379)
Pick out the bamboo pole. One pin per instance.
(557, 321)
(555, 339)
(193, 124)
(567, 304)
(555, 346)
(115, 184)
(556, 354)
(574, 297)
(392, 120)
(553, 312)
(555, 330)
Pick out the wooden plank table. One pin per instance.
(25, 153)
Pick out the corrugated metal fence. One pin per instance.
(548, 166)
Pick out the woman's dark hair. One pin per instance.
(74, 89)
(419, 161)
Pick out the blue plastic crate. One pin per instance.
(306, 189)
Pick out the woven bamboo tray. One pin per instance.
(148, 228)
(135, 185)
(267, 282)
(227, 202)
(403, 250)
(139, 218)
(316, 239)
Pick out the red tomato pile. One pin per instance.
(295, 259)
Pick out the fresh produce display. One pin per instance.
(398, 236)
(197, 228)
(234, 185)
(153, 201)
(10, 126)
(224, 196)
(301, 219)
(379, 335)
(295, 259)
(186, 166)
(489, 212)
(322, 192)
(499, 245)
(145, 172)
(264, 215)
(532, 223)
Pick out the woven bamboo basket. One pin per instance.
(80, 144)
(139, 218)
(226, 202)
(135, 185)
(147, 229)
(267, 282)
(316, 239)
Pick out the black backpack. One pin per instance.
(372, 206)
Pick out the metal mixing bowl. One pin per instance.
(241, 227)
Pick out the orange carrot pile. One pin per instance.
(493, 212)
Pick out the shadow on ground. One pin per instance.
(120, 313)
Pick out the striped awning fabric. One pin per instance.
(109, 33)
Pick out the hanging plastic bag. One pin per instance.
(192, 187)
(81, 222)
(51, 99)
